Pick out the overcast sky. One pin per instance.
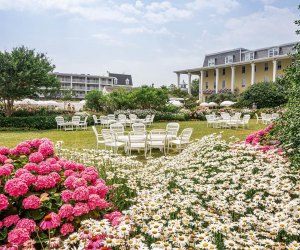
(148, 39)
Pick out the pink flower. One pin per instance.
(50, 221)
(55, 167)
(80, 209)
(24, 150)
(90, 174)
(66, 195)
(31, 202)
(69, 182)
(4, 151)
(3, 202)
(79, 182)
(3, 158)
(18, 236)
(46, 149)
(55, 176)
(95, 201)
(5, 170)
(36, 157)
(26, 224)
(65, 211)
(114, 218)
(80, 194)
(45, 182)
(31, 167)
(21, 171)
(28, 178)
(11, 220)
(16, 187)
(51, 160)
(67, 228)
(14, 151)
(44, 168)
(69, 172)
(92, 190)
(35, 143)
(102, 190)
(70, 165)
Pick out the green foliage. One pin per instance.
(176, 92)
(67, 95)
(221, 97)
(95, 100)
(24, 74)
(264, 95)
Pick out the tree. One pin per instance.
(221, 97)
(24, 74)
(195, 88)
(95, 100)
(264, 95)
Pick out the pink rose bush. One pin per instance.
(39, 192)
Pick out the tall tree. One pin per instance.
(25, 73)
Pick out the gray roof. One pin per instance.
(121, 78)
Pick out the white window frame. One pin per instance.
(229, 59)
(127, 81)
(249, 56)
(273, 52)
(211, 62)
(115, 81)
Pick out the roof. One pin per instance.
(121, 78)
(80, 75)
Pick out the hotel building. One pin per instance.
(81, 84)
(235, 70)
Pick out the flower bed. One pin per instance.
(213, 195)
(43, 196)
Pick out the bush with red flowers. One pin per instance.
(42, 195)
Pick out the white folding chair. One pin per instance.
(122, 119)
(258, 118)
(138, 128)
(245, 121)
(83, 124)
(136, 142)
(99, 137)
(60, 122)
(110, 140)
(182, 140)
(76, 121)
(96, 120)
(157, 139)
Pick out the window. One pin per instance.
(224, 71)
(223, 84)
(273, 52)
(249, 56)
(206, 85)
(127, 81)
(279, 65)
(243, 83)
(228, 59)
(215, 85)
(243, 69)
(266, 66)
(211, 62)
(206, 73)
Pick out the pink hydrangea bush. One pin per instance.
(261, 141)
(40, 192)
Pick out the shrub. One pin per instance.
(42, 195)
(264, 95)
(218, 98)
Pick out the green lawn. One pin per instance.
(86, 139)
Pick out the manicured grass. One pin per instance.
(86, 139)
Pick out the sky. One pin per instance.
(147, 39)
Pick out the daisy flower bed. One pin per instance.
(213, 195)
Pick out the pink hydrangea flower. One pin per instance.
(44, 168)
(18, 236)
(3, 202)
(70, 165)
(79, 182)
(55, 167)
(4, 151)
(45, 182)
(3, 158)
(69, 182)
(66, 195)
(55, 176)
(66, 228)
(95, 201)
(80, 209)
(36, 157)
(35, 143)
(26, 224)
(28, 178)
(51, 160)
(69, 172)
(92, 190)
(16, 187)
(90, 174)
(21, 171)
(102, 190)
(50, 221)
(31, 202)
(80, 194)
(24, 150)
(46, 149)
(14, 151)
(5, 170)
(65, 211)
(11, 220)
(31, 167)
(114, 218)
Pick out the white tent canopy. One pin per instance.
(176, 103)
(212, 104)
(38, 103)
(227, 103)
(204, 104)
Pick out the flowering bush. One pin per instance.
(44, 196)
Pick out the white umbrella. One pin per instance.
(204, 104)
(83, 102)
(212, 104)
(26, 102)
(227, 103)
(176, 103)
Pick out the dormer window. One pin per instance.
(228, 59)
(127, 81)
(249, 56)
(115, 81)
(211, 62)
(273, 52)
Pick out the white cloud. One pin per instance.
(220, 6)
(144, 30)
(139, 4)
(108, 40)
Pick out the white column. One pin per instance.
(190, 83)
(232, 78)
(217, 80)
(274, 70)
(178, 80)
(252, 73)
(201, 86)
